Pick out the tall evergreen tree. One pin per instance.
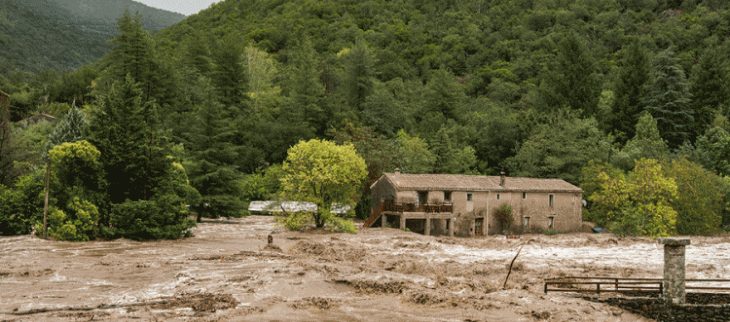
(228, 75)
(213, 172)
(133, 55)
(306, 91)
(668, 99)
(124, 129)
(709, 89)
(630, 90)
(571, 81)
(359, 74)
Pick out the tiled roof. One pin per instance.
(475, 183)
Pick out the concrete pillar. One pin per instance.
(402, 222)
(674, 269)
(451, 227)
(383, 220)
(428, 227)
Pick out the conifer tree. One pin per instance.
(123, 128)
(228, 75)
(709, 89)
(668, 99)
(213, 172)
(133, 55)
(571, 82)
(630, 89)
(359, 74)
(306, 91)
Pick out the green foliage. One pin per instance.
(709, 89)
(561, 149)
(699, 199)
(416, 157)
(165, 217)
(504, 217)
(640, 204)
(668, 99)
(714, 150)
(647, 143)
(323, 173)
(550, 232)
(78, 223)
(12, 221)
(572, 81)
(296, 220)
(213, 172)
(630, 90)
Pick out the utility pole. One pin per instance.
(45, 207)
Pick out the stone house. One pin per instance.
(465, 205)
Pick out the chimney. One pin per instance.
(397, 170)
(502, 178)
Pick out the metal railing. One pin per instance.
(624, 285)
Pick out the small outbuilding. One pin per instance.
(466, 205)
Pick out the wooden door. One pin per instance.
(479, 227)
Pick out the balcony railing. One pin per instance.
(389, 205)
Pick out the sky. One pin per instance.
(186, 7)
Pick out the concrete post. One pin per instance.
(402, 222)
(428, 226)
(383, 220)
(674, 269)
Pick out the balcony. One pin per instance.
(391, 206)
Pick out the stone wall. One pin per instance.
(700, 307)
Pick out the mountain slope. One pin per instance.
(65, 34)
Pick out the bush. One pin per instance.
(22, 207)
(78, 225)
(504, 217)
(164, 218)
(296, 220)
(550, 232)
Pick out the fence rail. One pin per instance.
(624, 285)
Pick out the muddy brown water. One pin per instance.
(228, 272)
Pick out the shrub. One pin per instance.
(504, 217)
(78, 225)
(296, 220)
(550, 232)
(163, 218)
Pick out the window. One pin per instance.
(469, 197)
(551, 200)
(497, 196)
(447, 195)
(551, 219)
(526, 223)
(524, 194)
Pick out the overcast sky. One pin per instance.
(186, 7)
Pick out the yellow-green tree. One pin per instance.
(639, 204)
(699, 200)
(324, 173)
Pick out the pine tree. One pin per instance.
(359, 74)
(213, 173)
(228, 75)
(630, 89)
(668, 99)
(572, 82)
(133, 55)
(123, 128)
(709, 89)
(306, 91)
(70, 129)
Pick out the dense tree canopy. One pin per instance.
(536, 89)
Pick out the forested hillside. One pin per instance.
(612, 95)
(65, 34)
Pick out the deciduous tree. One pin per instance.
(324, 173)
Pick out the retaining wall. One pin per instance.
(699, 307)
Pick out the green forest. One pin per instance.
(627, 99)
